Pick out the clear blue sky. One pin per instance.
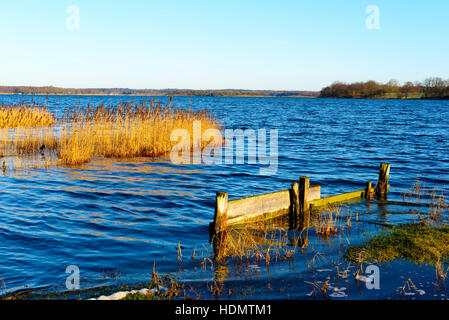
(221, 44)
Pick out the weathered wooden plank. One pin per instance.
(314, 193)
(274, 203)
(256, 217)
(258, 205)
(338, 198)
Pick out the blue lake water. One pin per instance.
(114, 218)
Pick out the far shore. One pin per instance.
(154, 95)
(216, 96)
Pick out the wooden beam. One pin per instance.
(304, 185)
(294, 204)
(359, 194)
(294, 198)
(368, 190)
(382, 182)
(221, 212)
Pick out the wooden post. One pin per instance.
(368, 190)
(294, 205)
(221, 211)
(382, 182)
(304, 185)
(220, 243)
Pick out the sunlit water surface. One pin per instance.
(115, 218)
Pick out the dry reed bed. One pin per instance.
(25, 115)
(125, 130)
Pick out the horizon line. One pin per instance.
(155, 89)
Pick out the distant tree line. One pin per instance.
(430, 88)
(155, 92)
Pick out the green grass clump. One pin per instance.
(415, 242)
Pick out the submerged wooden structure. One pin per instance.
(298, 202)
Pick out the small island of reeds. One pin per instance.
(30, 135)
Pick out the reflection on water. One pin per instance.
(126, 214)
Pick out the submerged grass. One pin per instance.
(419, 243)
(329, 220)
(256, 243)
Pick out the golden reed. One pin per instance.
(25, 115)
(115, 131)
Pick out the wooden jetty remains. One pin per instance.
(298, 202)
